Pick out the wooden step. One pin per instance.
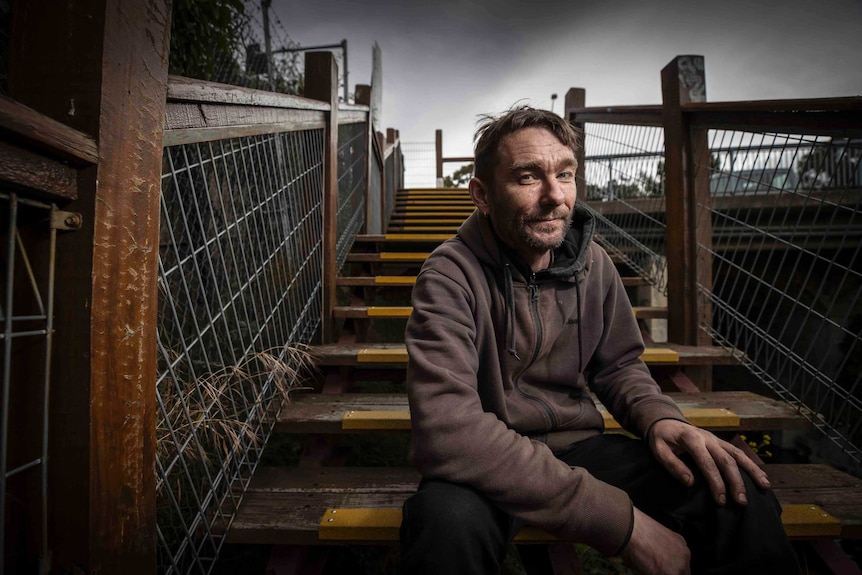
(376, 281)
(372, 311)
(381, 354)
(429, 229)
(404, 311)
(421, 220)
(413, 212)
(642, 312)
(411, 257)
(295, 505)
(390, 281)
(345, 413)
(445, 203)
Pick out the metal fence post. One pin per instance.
(687, 186)
(321, 83)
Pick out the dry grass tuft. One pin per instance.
(221, 414)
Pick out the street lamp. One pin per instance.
(553, 99)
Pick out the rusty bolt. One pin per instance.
(73, 220)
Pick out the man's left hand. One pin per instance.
(718, 460)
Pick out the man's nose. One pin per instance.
(553, 193)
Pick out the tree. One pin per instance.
(204, 37)
(459, 177)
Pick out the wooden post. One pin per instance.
(687, 185)
(438, 147)
(321, 83)
(364, 97)
(577, 98)
(100, 66)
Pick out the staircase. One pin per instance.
(324, 500)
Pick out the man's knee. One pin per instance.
(453, 511)
(449, 528)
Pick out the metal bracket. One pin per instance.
(65, 221)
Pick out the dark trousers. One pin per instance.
(451, 529)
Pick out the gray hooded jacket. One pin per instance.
(500, 360)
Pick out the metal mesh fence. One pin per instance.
(625, 179)
(420, 164)
(240, 260)
(220, 43)
(786, 212)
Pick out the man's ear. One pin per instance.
(479, 195)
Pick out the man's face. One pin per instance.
(534, 191)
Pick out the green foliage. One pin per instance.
(460, 177)
(204, 36)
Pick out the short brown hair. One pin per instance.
(493, 129)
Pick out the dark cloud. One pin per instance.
(446, 62)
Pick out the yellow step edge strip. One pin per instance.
(371, 355)
(660, 355)
(375, 420)
(381, 356)
(404, 255)
(389, 311)
(358, 420)
(395, 280)
(411, 221)
(423, 237)
(709, 417)
(376, 524)
(809, 520)
(413, 214)
(429, 229)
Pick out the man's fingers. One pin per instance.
(757, 474)
(673, 464)
(727, 462)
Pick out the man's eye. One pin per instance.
(524, 178)
(566, 176)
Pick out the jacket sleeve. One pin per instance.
(456, 440)
(616, 374)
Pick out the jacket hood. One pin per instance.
(571, 263)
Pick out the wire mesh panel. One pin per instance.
(226, 42)
(787, 272)
(352, 163)
(625, 174)
(26, 312)
(240, 262)
(420, 164)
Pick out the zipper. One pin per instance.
(533, 288)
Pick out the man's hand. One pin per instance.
(656, 550)
(718, 460)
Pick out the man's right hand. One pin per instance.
(656, 550)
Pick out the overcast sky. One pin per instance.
(446, 62)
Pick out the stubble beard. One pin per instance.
(517, 229)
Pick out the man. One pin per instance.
(512, 319)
